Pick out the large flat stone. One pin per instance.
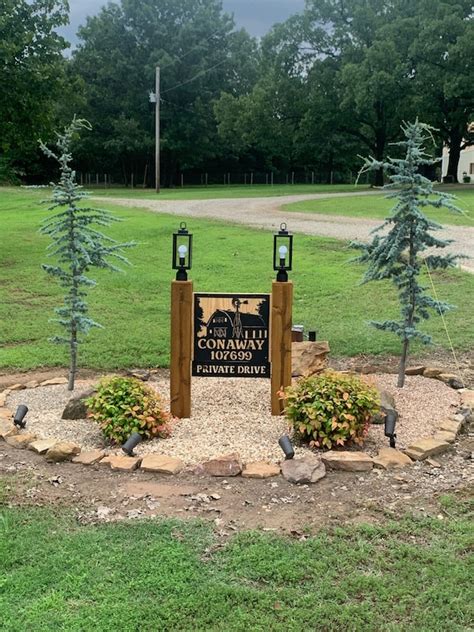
(122, 463)
(451, 379)
(390, 458)
(467, 399)
(308, 358)
(162, 464)
(260, 469)
(449, 425)
(308, 469)
(7, 428)
(433, 371)
(54, 381)
(62, 451)
(443, 435)
(89, 458)
(16, 387)
(348, 461)
(76, 408)
(32, 384)
(415, 370)
(42, 445)
(6, 413)
(226, 465)
(20, 440)
(423, 448)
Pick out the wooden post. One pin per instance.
(281, 322)
(181, 347)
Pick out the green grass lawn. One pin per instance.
(134, 306)
(377, 207)
(410, 574)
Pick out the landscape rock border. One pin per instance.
(297, 471)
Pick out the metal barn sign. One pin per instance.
(231, 334)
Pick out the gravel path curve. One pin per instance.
(268, 213)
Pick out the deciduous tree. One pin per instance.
(31, 72)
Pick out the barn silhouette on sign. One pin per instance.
(231, 335)
(233, 324)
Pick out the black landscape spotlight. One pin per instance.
(390, 423)
(285, 444)
(182, 252)
(282, 252)
(19, 418)
(131, 443)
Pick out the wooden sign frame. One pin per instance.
(181, 353)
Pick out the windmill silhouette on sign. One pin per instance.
(237, 330)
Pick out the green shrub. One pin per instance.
(123, 405)
(331, 409)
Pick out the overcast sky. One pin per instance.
(257, 16)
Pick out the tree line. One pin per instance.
(329, 84)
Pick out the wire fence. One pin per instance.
(193, 178)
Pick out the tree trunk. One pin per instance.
(73, 360)
(403, 363)
(455, 142)
(380, 140)
(411, 312)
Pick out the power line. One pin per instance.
(199, 74)
(205, 39)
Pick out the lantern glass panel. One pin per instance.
(182, 249)
(282, 251)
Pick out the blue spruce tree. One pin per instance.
(399, 254)
(76, 244)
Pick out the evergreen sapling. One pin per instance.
(76, 244)
(397, 254)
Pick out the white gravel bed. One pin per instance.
(233, 415)
(421, 403)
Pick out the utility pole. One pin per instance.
(157, 130)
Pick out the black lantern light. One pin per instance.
(19, 418)
(285, 444)
(390, 423)
(282, 252)
(131, 443)
(182, 252)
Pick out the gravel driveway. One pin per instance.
(268, 213)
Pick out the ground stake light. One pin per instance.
(390, 423)
(131, 443)
(182, 252)
(285, 444)
(19, 418)
(282, 253)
